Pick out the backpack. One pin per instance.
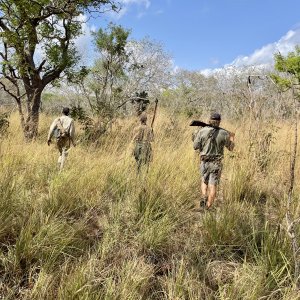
(61, 132)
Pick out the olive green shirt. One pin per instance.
(211, 141)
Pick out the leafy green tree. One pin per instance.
(289, 67)
(289, 79)
(37, 47)
(109, 69)
(102, 84)
(125, 68)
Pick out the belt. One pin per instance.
(208, 158)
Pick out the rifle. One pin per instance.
(203, 124)
(154, 114)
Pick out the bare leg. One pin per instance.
(138, 166)
(63, 158)
(59, 160)
(203, 199)
(212, 192)
(60, 149)
(204, 189)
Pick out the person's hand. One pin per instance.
(231, 136)
(49, 142)
(131, 148)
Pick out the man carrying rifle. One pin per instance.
(210, 141)
(142, 139)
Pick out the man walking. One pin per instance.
(210, 141)
(63, 130)
(142, 139)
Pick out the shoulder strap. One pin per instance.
(67, 130)
(211, 135)
(59, 123)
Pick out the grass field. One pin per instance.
(97, 231)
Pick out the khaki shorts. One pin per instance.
(211, 171)
(143, 153)
(63, 143)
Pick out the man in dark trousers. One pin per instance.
(210, 141)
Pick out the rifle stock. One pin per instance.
(199, 123)
(203, 124)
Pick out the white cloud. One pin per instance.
(159, 12)
(140, 15)
(125, 7)
(145, 3)
(262, 58)
(265, 55)
(215, 61)
(84, 42)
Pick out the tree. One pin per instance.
(37, 48)
(125, 69)
(149, 68)
(109, 69)
(289, 79)
(192, 93)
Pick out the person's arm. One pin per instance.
(194, 134)
(51, 131)
(230, 141)
(135, 134)
(72, 133)
(197, 142)
(133, 140)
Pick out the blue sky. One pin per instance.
(208, 34)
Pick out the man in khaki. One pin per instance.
(142, 138)
(63, 129)
(210, 141)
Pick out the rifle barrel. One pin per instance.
(203, 124)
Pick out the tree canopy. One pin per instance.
(37, 47)
(290, 65)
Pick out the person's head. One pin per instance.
(66, 111)
(143, 118)
(215, 119)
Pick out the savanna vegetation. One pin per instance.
(97, 230)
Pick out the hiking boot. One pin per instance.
(212, 208)
(203, 201)
(198, 209)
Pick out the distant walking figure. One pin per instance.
(63, 130)
(211, 142)
(142, 139)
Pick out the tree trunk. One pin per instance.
(21, 114)
(31, 125)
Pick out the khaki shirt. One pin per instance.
(143, 134)
(66, 122)
(212, 145)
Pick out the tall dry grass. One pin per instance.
(99, 231)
